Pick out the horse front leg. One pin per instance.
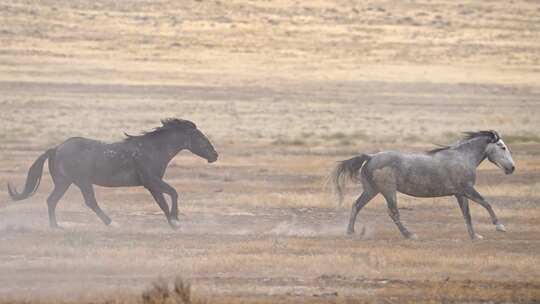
(464, 206)
(169, 190)
(157, 187)
(162, 203)
(473, 195)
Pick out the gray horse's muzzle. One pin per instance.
(510, 170)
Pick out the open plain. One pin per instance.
(284, 89)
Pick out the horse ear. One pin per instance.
(494, 136)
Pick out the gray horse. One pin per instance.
(446, 171)
(135, 161)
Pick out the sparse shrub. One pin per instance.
(360, 135)
(307, 134)
(286, 142)
(160, 293)
(345, 142)
(157, 294)
(336, 136)
(412, 138)
(298, 142)
(345, 139)
(182, 290)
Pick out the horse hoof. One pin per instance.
(175, 224)
(500, 227)
(412, 236)
(113, 225)
(477, 237)
(57, 227)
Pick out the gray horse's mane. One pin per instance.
(492, 135)
(166, 124)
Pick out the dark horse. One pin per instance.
(135, 161)
(446, 171)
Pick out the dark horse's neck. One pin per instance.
(164, 147)
(170, 145)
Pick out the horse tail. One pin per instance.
(33, 178)
(347, 170)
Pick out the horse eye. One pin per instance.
(503, 147)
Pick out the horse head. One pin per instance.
(498, 153)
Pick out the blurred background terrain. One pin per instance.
(284, 89)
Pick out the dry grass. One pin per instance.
(284, 89)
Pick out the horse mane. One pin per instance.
(166, 125)
(492, 135)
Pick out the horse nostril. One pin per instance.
(513, 168)
(213, 158)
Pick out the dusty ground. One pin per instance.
(284, 90)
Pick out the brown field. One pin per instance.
(284, 89)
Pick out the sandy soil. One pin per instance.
(284, 90)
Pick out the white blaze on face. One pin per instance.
(504, 147)
(501, 144)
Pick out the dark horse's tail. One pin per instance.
(347, 170)
(33, 179)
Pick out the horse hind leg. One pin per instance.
(60, 188)
(61, 185)
(90, 200)
(362, 200)
(393, 211)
